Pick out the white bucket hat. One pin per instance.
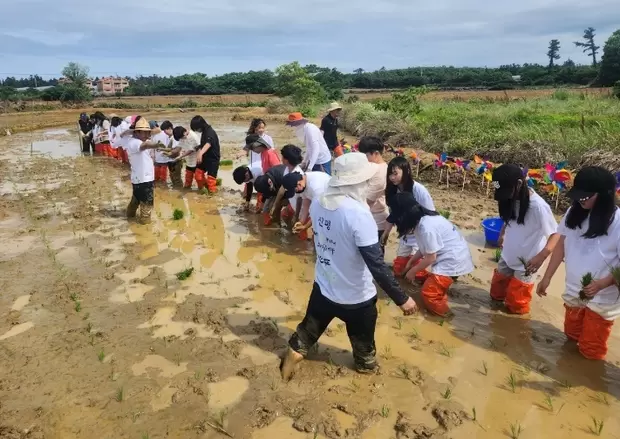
(350, 169)
(334, 106)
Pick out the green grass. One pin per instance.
(177, 214)
(511, 129)
(226, 162)
(185, 274)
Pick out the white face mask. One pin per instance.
(299, 132)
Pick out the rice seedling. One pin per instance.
(602, 398)
(78, 306)
(566, 384)
(615, 272)
(597, 426)
(387, 352)
(218, 182)
(226, 162)
(497, 255)
(549, 403)
(442, 322)
(414, 334)
(183, 275)
(101, 355)
(474, 417)
(586, 280)
(445, 213)
(512, 382)
(385, 411)
(120, 395)
(290, 268)
(89, 327)
(145, 436)
(178, 214)
(405, 371)
(399, 323)
(355, 386)
(515, 430)
(485, 369)
(447, 394)
(525, 264)
(74, 297)
(445, 351)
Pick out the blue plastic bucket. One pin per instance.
(492, 228)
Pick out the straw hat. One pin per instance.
(142, 125)
(296, 119)
(350, 169)
(334, 106)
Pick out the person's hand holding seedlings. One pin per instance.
(423, 264)
(593, 288)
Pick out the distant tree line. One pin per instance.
(307, 84)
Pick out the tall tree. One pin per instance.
(609, 72)
(358, 71)
(588, 46)
(554, 52)
(76, 73)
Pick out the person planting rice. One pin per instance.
(329, 129)
(162, 154)
(142, 172)
(528, 235)
(589, 244)
(268, 156)
(101, 134)
(443, 255)
(207, 153)
(292, 158)
(115, 136)
(247, 175)
(188, 142)
(348, 258)
(267, 186)
(85, 128)
(257, 127)
(318, 157)
(373, 148)
(399, 179)
(309, 186)
(125, 133)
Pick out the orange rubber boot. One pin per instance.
(435, 293)
(338, 151)
(573, 322)
(499, 285)
(399, 265)
(200, 178)
(596, 332)
(189, 179)
(518, 296)
(212, 184)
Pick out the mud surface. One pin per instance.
(99, 339)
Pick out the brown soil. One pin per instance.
(99, 339)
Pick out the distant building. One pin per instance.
(516, 78)
(87, 83)
(36, 88)
(111, 85)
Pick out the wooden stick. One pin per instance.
(440, 174)
(488, 187)
(219, 429)
(464, 175)
(417, 169)
(557, 200)
(447, 178)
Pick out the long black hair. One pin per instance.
(603, 212)
(407, 181)
(512, 188)
(116, 121)
(411, 218)
(198, 124)
(255, 124)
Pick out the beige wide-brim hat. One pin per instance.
(142, 125)
(334, 106)
(350, 169)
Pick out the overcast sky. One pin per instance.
(214, 37)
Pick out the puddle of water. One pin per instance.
(129, 293)
(16, 330)
(56, 148)
(166, 368)
(20, 302)
(226, 393)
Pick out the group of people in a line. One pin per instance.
(348, 204)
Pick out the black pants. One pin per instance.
(144, 192)
(210, 167)
(360, 321)
(86, 141)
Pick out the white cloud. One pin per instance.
(158, 36)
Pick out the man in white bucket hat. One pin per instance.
(349, 256)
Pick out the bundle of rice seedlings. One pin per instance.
(586, 280)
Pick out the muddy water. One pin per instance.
(511, 371)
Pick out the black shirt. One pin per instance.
(329, 126)
(85, 126)
(276, 175)
(210, 136)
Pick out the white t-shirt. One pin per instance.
(435, 234)
(189, 143)
(316, 183)
(293, 200)
(164, 139)
(317, 152)
(142, 170)
(257, 170)
(340, 270)
(423, 197)
(528, 239)
(124, 126)
(596, 256)
(376, 195)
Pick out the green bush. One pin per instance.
(616, 90)
(189, 103)
(561, 95)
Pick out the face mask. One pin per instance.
(299, 132)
